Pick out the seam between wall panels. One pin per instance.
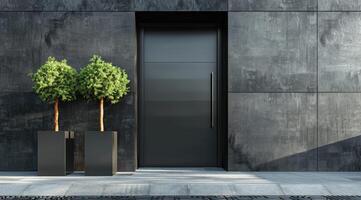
(229, 11)
(326, 92)
(272, 10)
(317, 156)
(71, 11)
(315, 141)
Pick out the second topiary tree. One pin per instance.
(102, 81)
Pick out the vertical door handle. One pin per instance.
(212, 100)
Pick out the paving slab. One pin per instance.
(126, 189)
(12, 189)
(79, 189)
(304, 189)
(344, 189)
(257, 189)
(183, 182)
(46, 189)
(169, 189)
(211, 189)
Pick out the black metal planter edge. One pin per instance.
(100, 153)
(55, 153)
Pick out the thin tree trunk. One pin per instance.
(56, 115)
(101, 114)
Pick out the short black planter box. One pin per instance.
(101, 153)
(55, 153)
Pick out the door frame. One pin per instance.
(221, 113)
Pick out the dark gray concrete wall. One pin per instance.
(272, 52)
(272, 5)
(293, 84)
(339, 86)
(339, 52)
(339, 131)
(66, 5)
(113, 5)
(272, 111)
(28, 38)
(339, 5)
(72, 29)
(180, 5)
(272, 131)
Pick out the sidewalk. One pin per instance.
(183, 182)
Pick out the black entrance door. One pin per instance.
(178, 99)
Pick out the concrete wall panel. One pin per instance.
(66, 5)
(339, 52)
(339, 5)
(20, 39)
(339, 131)
(272, 131)
(272, 5)
(18, 150)
(180, 5)
(272, 52)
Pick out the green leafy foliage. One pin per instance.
(100, 79)
(55, 80)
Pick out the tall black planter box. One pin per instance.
(55, 153)
(101, 153)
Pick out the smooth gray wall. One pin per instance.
(293, 83)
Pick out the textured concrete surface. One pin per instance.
(66, 5)
(269, 52)
(343, 189)
(113, 5)
(272, 5)
(79, 189)
(339, 131)
(254, 189)
(173, 197)
(304, 189)
(211, 188)
(272, 52)
(274, 131)
(180, 5)
(47, 189)
(275, 54)
(339, 5)
(28, 38)
(20, 36)
(183, 182)
(169, 189)
(339, 52)
(18, 150)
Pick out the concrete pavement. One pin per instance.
(161, 181)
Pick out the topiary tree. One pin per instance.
(101, 80)
(54, 81)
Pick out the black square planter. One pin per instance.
(101, 153)
(55, 153)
